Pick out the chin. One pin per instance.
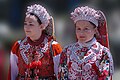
(82, 41)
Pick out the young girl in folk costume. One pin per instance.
(89, 58)
(33, 58)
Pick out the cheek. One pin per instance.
(93, 33)
(77, 34)
(90, 35)
(80, 35)
(25, 29)
(35, 30)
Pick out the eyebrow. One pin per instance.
(26, 21)
(84, 26)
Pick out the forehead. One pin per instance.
(84, 23)
(30, 18)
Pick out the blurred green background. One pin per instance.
(12, 13)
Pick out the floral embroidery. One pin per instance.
(96, 62)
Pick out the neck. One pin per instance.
(35, 37)
(89, 43)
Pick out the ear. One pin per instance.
(97, 32)
(42, 27)
(95, 29)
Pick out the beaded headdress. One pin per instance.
(40, 12)
(85, 13)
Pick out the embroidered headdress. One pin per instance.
(40, 12)
(44, 17)
(85, 13)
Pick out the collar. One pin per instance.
(37, 42)
(88, 44)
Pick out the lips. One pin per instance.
(82, 37)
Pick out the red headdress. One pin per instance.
(102, 29)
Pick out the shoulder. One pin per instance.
(15, 46)
(56, 47)
(55, 43)
(105, 51)
(68, 48)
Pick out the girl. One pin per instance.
(89, 58)
(33, 58)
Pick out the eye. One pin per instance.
(86, 29)
(78, 28)
(31, 24)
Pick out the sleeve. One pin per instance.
(106, 67)
(57, 49)
(13, 68)
(63, 67)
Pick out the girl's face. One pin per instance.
(85, 31)
(32, 28)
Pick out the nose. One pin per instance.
(81, 32)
